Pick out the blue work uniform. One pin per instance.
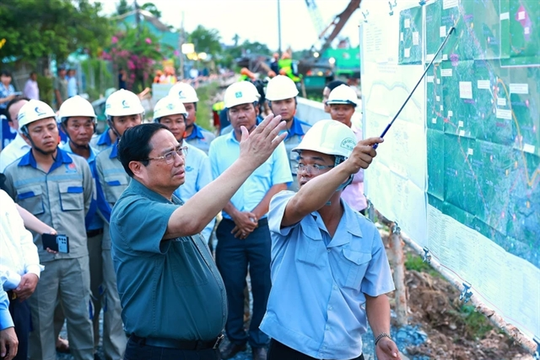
(200, 138)
(60, 198)
(345, 268)
(101, 270)
(102, 141)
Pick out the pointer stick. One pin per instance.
(418, 83)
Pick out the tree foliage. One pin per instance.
(35, 29)
(151, 8)
(122, 7)
(206, 40)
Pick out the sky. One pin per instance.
(254, 20)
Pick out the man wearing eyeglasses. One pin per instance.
(171, 112)
(173, 297)
(329, 266)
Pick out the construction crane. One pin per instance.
(336, 25)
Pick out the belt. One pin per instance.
(178, 344)
(92, 233)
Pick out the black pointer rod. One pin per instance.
(418, 83)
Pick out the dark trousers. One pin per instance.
(20, 312)
(278, 351)
(135, 351)
(233, 257)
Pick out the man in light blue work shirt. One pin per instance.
(329, 266)
(171, 112)
(243, 236)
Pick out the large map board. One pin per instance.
(460, 168)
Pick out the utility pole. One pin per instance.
(279, 26)
(137, 19)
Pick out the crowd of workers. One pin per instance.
(133, 212)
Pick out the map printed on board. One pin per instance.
(481, 136)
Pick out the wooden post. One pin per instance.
(398, 265)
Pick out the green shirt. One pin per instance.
(168, 289)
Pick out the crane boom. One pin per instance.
(338, 23)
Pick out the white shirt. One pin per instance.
(31, 89)
(17, 148)
(18, 255)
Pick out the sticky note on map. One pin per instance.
(504, 114)
(415, 38)
(465, 89)
(407, 52)
(483, 84)
(521, 15)
(446, 72)
(442, 31)
(501, 101)
(407, 23)
(505, 16)
(519, 88)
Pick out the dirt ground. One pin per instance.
(435, 307)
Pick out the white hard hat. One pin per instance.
(169, 105)
(281, 88)
(76, 106)
(328, 137)
(123, 103)
(343, 94)
(185, 92)
(243, 92)
(34, 110)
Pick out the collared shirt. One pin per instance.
(92, 220)
(16, 149)
(113, 180)
(60, 198)
(102, 141)
(61, 85)
(19, 255)
(168, 289)
(4, 93)
(294, 136)
(345, 267)
(198, 175)
(200, 138)
(275, 170)
(72, 86)
(353, 194)
(5, 316)
(7, 134)
(31, 89)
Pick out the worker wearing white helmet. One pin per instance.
(329, 267)
(57, 188)
(281, 92)
(243, 237)
(171, 112)
(194, 135)
(342, 102)
(78, 120)
(123, 110)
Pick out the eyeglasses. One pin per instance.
(169, 156)
(313, 168)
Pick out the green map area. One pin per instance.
(410, 36)
(483, 118)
